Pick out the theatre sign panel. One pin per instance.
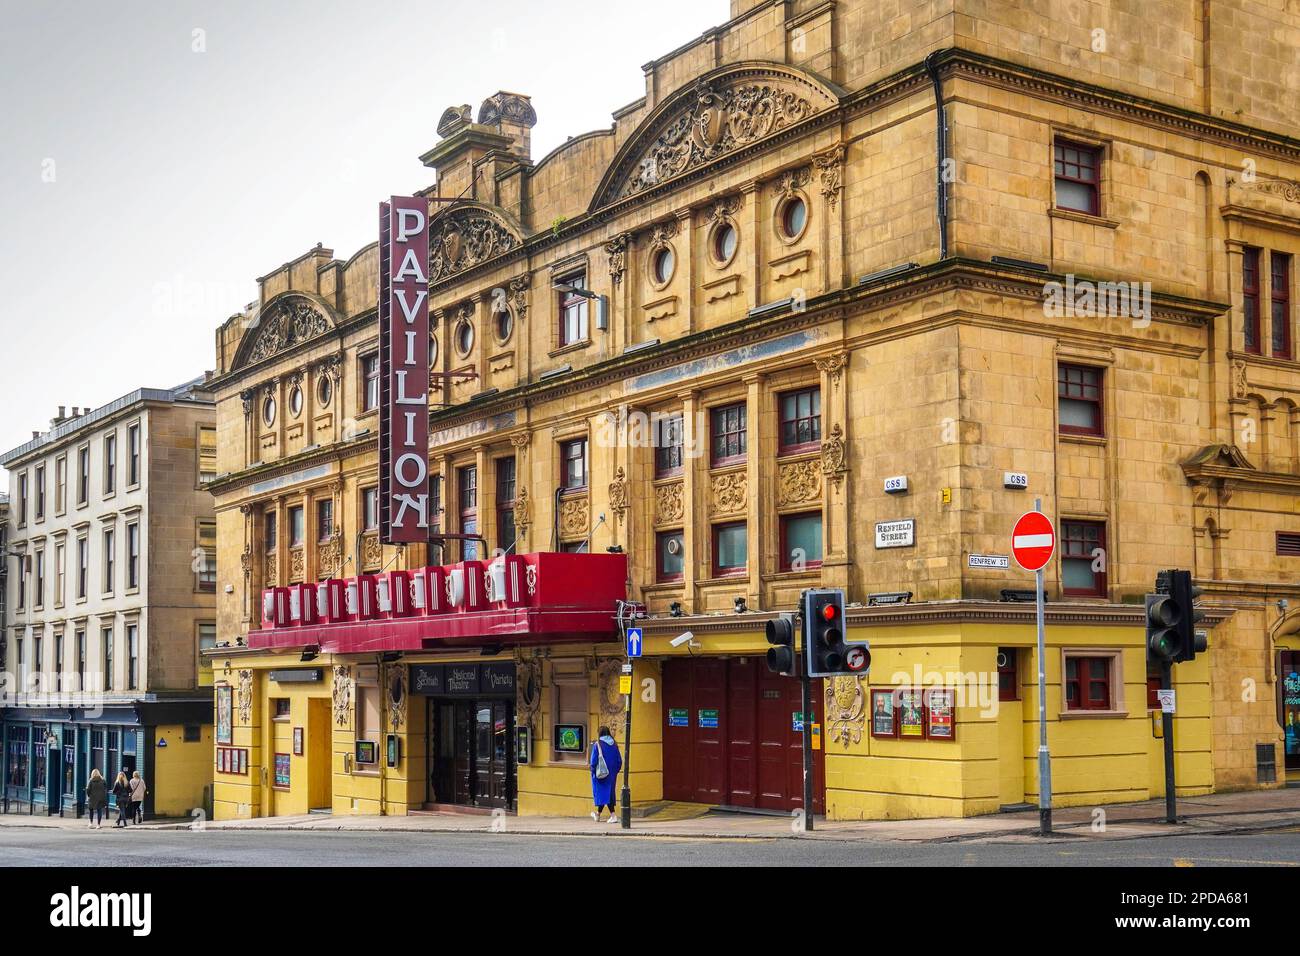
(404, 370)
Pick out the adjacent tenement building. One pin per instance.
(111, 544)
(832, 304)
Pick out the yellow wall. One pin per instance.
(182, 772)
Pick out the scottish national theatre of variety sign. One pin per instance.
(829, 306)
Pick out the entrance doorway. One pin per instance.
(731, 736)
(1289, 677)
(471, 756)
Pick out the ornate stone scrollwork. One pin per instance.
(717, 120)
(271, 569)
(246, 396)
(328, 556)
(573, 517)
(518, 294)
(1285, 188)
(833, 366)
(297, 564)
(341, 694)
(464, 237)
(730, 492)
(398, 692)
(618, 493)
(616, 249)
(453, 118)
(244, 700)
(1239, 385)
(668, 503)
(290, 322)
(507, 107)
(523, 511)
(528, 691)
(799, 482)
(372, 552)
(724, 208)
(846, 709)
(790, 181)
(830, 165)
(611, 701)
(834, 461)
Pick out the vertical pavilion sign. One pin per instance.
(404, 370)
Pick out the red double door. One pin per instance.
(730, 737)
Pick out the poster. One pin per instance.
(225, 713)
(678, 717)
(282, 771)
(911, 713)
(297, 741)
(939, 704)
(882, 714)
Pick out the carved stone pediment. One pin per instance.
(1216, 456)
(453, 118)
(467, 235)
(509, 108)
(723, 112)
(289, 321)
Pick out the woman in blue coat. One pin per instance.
(604, 751)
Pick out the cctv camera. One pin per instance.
(683, 638)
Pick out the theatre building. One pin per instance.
(832, 304)
(111, 554)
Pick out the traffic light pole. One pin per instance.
(807, 749)
(1167, 723)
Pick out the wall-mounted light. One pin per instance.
(675, 609)
(741, 607)
(885, 598)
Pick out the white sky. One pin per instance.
(181, 176)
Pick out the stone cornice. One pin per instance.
(1276, 481)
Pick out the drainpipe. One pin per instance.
(941, 151)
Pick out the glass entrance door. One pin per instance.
(472, 760)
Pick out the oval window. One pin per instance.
(794, 216)
(664, 262)
(724, 242)
(433, 350)
(464, 338)
(268, 411)
(295, 401)
(324, 391)
(505, 324)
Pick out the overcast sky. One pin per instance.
(149, 173)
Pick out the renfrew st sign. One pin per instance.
(404, 370)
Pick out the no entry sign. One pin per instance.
(1033, 540)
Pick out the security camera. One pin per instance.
(686, 637)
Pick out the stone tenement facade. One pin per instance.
(804, 290)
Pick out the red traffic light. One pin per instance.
(829, 612)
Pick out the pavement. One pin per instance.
(1220, 813)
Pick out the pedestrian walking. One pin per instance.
(122, 797)
(138, 791)
(96, 799)
(606, 762)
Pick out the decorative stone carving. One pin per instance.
(372, 552)
(799, 482)
(508, 108)
(611, 701)
(272, 571)
(662, 232)
(453, 118)
(1239, 384)
(830, 165)
(668, 503)
(834, 462)
(718, 119)
(523, 511)
(833, 366)
(398, 692)
(1284, 188)
(730, 492)
(846, 709)
(528, 691)
(290, 322)
(520, 442)
(244, 700)
(328, 556)
(618, 493)
(518, 294)
(246, 396)
(342, 695)
(790, 181)
(464, 237)
(297, 564)
(616, 249)
(573, 517)
(724, 208)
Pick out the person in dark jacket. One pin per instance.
(122, 797)
(604, 751)
(96, 799)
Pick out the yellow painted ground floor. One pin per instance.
(945, 724)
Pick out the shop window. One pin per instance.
(1083, 558)
(1078, 390)
(1250, 299)
(670, 548)
(18, 751)
(801, 541)
(569, 705)
(1088, 683)
(1280, 290)
(728, 433)
(573, 464)
(730, 548)
(1008, 674)
(801, 420)
(668, 446)
(1078, 177)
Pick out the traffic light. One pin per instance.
(780, 634)
(826, 653)
(1171, 619)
